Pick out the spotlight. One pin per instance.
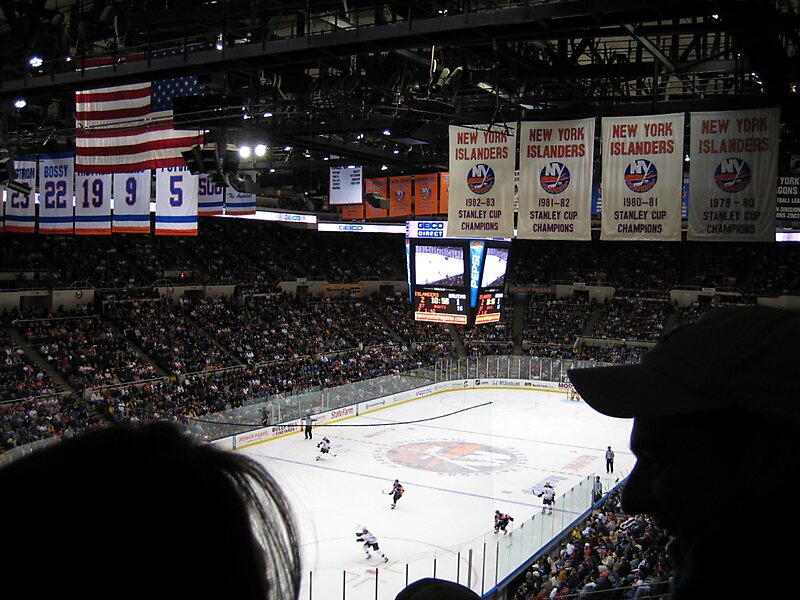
(267, 115)
(244, 151)
(20, 103)
(36, 61)
(260, 150)
(387, 132)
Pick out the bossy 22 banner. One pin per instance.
(482, 164)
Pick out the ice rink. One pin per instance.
(460, 455)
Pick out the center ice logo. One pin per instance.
(453, 457)
(554, 178)
(732, 175)
(640, 175)
(480, 178)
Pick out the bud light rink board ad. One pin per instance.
(454, 280)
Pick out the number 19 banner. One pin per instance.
(481, 194)
(176, 201)
(732, 175)
(92, 204)
(642, 178)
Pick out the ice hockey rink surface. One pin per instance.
(460, 455)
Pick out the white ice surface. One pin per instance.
(456, 471)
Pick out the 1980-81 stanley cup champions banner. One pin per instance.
(482, 163)
(732, 175)
(555, 180)
(642, 177)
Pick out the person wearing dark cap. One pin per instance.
(436, 589)
(711, 402)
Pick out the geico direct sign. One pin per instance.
(291, 217)
(351, 227)
(430, 225)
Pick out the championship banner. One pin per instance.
(555, 181)
(379, 186)
(176, 201)
(482, 162)
(352, 211)
(209, 197)
(426, 194)
(56, 213)
(93, 204)
(131, 202)
(239, 203)
(400, 196)
(345, 185)
(444, 193)
(642, 178)
(732, 175)
(21, 208)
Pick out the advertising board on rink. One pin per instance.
(555, 180)
(481, 188)
(642, 177)
(732, 175)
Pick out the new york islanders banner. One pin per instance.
(239, 203)
(732, 175)
(176, 201)
(555, 180)
(642, 177)
(132, 202)
(21, 208)
(209, 197)
(56, 173)
(93, 204)
(481, 194)
(400, 196)
(426, 194)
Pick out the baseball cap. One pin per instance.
(436, 589)
(744, 357)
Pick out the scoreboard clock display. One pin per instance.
(440, 306)
(490, 305)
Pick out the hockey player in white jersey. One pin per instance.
(324, 446)
(548, 495)
(370, 542)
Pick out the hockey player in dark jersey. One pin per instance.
(501, 521)
(396, 492)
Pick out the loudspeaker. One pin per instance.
(194, 159)
(375, 200)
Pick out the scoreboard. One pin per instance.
(454, 280)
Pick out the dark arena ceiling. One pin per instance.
(377, 84)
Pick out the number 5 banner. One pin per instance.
(176, 201)
(55, 193)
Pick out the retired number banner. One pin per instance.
(176, 201)
(131, 202)
(732, 175)
(93, 204)
(555, 180)
(21, 208)
(56, 212)
(481, 194)
(642, 178)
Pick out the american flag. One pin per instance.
(129, 128)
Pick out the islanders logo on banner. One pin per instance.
(426, 192)
(732, 175)
(640, 175)
(554, 178)
(480, 178)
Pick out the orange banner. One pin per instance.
(444, 192)
(352, 211)
(400, 196)
(426, 194)
(380, 186)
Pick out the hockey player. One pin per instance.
(396, 492)
(501, 521)
(370, 542)
(548, 495)
(324, 446)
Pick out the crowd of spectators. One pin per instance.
(610, 556)
(555, 322)
(633, 318)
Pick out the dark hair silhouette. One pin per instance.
(137, 512)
